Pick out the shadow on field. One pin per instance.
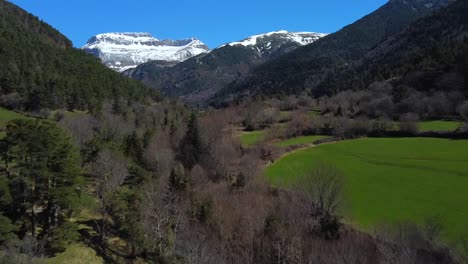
(90, 237)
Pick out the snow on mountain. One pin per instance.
(123, 51)
(301, 38)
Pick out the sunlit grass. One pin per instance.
(439, 125)
(299, 141)
(252, 137)
(392, 179)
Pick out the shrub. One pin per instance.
(409, 123)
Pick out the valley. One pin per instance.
(286, 147)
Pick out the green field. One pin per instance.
(314, 113)
(299, 141)
(252, 137)
(439, 125)
(7, 115)
(76, 254)
(393, 179)
(285, 115)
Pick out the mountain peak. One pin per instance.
(125, 50)
(301, 38)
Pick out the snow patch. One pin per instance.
(302, 38)
(122, 51)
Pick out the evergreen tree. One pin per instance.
(43, 175)
(190, 148)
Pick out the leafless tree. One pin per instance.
(111, 170)
(80, 127)
(409, 123)
(300, 124)
(162, 217)
(223, 156)
(463, 110)
(112, 126)
(323, 188)
(159, 154)
(198, 176)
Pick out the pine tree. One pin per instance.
(43, 176)
(190, 148)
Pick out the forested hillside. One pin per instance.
(40, 69)
(200, 76)
(430, 55)
(304, 69)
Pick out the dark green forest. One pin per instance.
(430, 55)
(40, 69)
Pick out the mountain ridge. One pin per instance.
(303, 70)
(121, 51)
(200, 77)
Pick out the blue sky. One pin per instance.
(213, 21)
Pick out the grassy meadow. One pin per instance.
(392, 179)
(76, 254)
(425, 126)
(8, 115)
(299, 141)
(251, 138)
(5, 117)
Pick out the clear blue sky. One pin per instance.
(213, 21)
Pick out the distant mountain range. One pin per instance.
(384, 44)
(199, 78)
(305, 69)
(123, 51)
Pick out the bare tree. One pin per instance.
(409, 123)
(463, 110)
(112, 126)
(111, 170)
(159, 155)
(300, 124)
(198, 176)
(197, 247)
(162, 217)
(323, 187)
(81, 127)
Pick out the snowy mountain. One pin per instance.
(123, 51)
(199, 78)
(281, 37)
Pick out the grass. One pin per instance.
(299, 141)
(252, 137)
(7, 115)
(390, 180)
(439, 125)
(76, 254)
(314, 113)
(285, 115)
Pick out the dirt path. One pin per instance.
(299, 148)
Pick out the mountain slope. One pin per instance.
(40, 69)
(431, 54)
(123, 51)
(198, 78)
(304, 68)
